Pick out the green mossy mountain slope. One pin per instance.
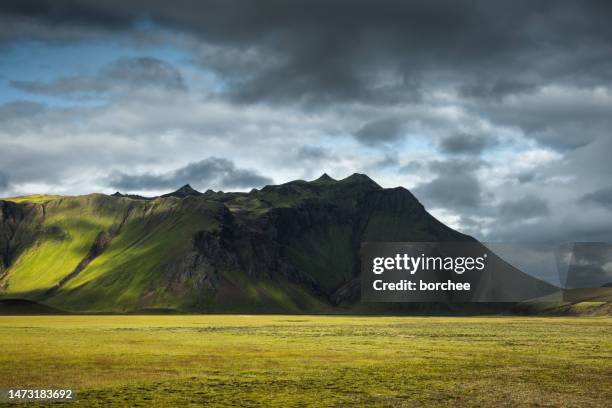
(285, 248)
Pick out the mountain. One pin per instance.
(290, 248)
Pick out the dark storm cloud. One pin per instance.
(496, 89)
(455, 186)
(411, 167)
(359, 50)
(312, 153)
(524, 178)
(71, 12)
(602, 197)
(387, 53)
(453, 191)
(389, 160)
(450, 167)
(144, 71)
(124, 73)
(380, 131)
(211, 172)
(527, 207)
(462, 143)
(564, 118)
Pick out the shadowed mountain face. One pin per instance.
(285, 248)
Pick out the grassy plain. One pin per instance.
(281, 360)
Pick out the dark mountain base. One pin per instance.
(26, 307)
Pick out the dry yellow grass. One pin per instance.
(312, 360)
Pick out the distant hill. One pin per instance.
(572, 302)
(291, 248)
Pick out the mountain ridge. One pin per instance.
(292, 247)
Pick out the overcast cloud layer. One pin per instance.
(497, 115)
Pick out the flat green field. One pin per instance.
(311, 360)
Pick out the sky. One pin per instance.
(496, 115)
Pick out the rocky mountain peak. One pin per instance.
(361, 179)
(184, 191)
(325, 178)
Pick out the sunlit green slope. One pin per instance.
(148, 260)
